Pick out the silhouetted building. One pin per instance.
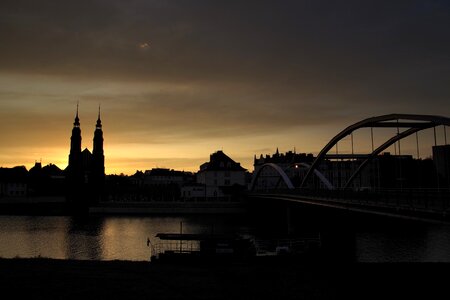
(86, 170)
(385, 171)
(13, 182)
(293, 164)
(284, 160)
(123, 188)
(161, 176)
(155, 185)
(46, 181)
(193, 191)
(222, 178)
(160, 184)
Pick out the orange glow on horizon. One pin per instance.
(123, 158)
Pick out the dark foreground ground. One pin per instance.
(65, 279)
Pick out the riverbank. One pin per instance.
(50, 206)
(69, 279)
(176, 207)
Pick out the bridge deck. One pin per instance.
(429, 210)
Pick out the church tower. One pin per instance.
(97, 152)
(98, 159)
(85, 174)
(74, 174)
(74, 167)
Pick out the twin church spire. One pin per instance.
(76, 134)
(86, 169)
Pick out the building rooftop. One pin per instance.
(219, 161)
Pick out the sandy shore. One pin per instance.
(64, 279)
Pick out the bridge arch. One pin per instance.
(286, 178)
(415, 123)
(277, 168)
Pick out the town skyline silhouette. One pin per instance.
(224, 149)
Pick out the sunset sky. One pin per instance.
(178, 80)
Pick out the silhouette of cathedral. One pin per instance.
(86, 171)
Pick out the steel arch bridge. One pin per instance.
(413, 123)
(285, 177)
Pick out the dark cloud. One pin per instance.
(300, 41)
(375, 47)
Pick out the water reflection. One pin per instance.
(97, 238)
(32, 236)
(83, 239)
(125, 238)
(404, 243)
(42, 237)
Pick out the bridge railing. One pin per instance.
(429, 200)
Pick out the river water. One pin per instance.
(125, 238)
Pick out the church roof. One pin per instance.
(86, 151)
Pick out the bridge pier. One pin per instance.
(335, 227)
